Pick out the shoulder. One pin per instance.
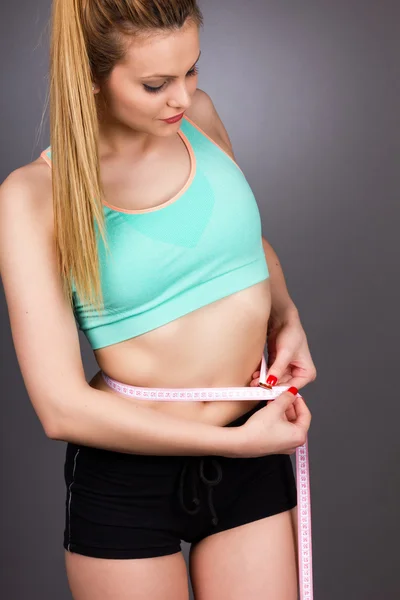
(28, 189)
(204, 114)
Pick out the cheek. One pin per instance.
(192, 85)
(129, 101)
(140, 103)
(149, 105)
(135, 106)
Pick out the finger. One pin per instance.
(254, 382)
(303, 414)
(297, 382)
(283, 402)
(291, 414)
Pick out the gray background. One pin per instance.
(309, 93)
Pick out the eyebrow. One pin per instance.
(169, 76)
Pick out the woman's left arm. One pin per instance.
(289, 358)
(282, 306)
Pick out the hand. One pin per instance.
(268, 431)
(289, 358)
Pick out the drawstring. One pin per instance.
(208, 482)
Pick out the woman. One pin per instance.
(188, 302)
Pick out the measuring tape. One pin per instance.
(303, 506)
(302, 462)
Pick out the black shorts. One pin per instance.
(138, 506)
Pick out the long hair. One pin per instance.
(88, 37)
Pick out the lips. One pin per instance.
(173, 119)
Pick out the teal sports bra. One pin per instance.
(205, 243)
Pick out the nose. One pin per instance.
(180, 97)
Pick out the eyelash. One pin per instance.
(156, 90)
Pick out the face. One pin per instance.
(156, 81)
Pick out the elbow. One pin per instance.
(55, 413)
(54, 422)
(52, 430)
(61, 422)
(58, 424)
(59, 416)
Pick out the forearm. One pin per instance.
(282, 306)
(102, 420)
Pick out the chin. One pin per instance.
(168, 131)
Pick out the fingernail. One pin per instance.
(293, 390)
(272, 380)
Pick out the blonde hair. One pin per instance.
(88, 37)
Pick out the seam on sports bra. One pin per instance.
(211, 140)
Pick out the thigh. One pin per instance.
(119, 506)
(256, 560)
(161, 577)
(252, 551)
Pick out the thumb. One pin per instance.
(283, 401)
(279, 366)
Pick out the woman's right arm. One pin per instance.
(47, 346)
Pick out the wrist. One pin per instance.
(232, 442)
(285, 314)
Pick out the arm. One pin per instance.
(47, 345)
(283, 308)
(288, 352)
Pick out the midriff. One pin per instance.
(218, 345)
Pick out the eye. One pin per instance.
(193, 71)
(155, 90)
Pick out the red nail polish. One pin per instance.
(272, 380)
(293, 390)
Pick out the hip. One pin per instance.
(134, 505)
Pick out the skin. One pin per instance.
(134, 143)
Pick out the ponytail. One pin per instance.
(88, 38)
(77, 193)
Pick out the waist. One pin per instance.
(254, 397)
(206, 404)
(203, 394)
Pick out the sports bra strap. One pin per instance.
(46, 155)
